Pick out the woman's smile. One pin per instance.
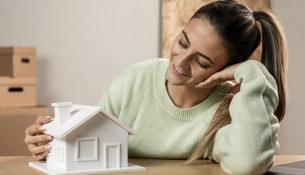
(178, 72)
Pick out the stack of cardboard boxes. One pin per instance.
(18, 108)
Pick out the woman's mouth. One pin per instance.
(178, 72)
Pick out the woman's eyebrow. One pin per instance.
(202, 55)
(205, 57)
(185, 35)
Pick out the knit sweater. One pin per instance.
(139, 98)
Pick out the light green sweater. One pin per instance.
(139, 98)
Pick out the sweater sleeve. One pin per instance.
(125, 87)
(112, 99)
(248, 144)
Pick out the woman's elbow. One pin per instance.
(247, 167)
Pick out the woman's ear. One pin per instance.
(257, 54)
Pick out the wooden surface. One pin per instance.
(19, 165)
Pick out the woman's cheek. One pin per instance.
(205, 76)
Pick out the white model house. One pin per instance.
(86, 139)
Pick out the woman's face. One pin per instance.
(196, 53)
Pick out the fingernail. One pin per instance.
(47, 147)
(201, 84)
(41, 128)
(49, 137)
(48, 117)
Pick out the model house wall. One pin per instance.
(57, 155)
(97, 144)
(81, 144)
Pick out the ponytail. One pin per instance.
(274, 57)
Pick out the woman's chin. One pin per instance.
(175, 82)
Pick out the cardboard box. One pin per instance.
(13, 122)
(17, 92)
(18, 61)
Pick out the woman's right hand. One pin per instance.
(36, 140)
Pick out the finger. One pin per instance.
(42, 143)
(214, 83)
(34, 129)
(43, 120)
(37, 139)
(235, 89)
(40, 156)
(205, 82)
(210, 82)
(39, 149)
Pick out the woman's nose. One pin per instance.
(183, 60)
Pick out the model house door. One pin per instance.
(112, 155)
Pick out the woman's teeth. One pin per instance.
(179, 70)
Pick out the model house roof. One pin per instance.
(79, 115)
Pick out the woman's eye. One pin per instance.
(181, 44)
(201, 65)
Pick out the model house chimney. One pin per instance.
(62, 112)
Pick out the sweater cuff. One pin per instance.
(248, 70)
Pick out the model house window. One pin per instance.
(86, 149)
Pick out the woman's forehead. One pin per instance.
(204, 39)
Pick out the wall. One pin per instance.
(82, 45)
(291, 133)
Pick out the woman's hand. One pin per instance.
(222, 76)
(36, 140)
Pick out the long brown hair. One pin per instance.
(237, 26)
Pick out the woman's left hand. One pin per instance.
(222, 76)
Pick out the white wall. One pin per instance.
(82, 45)
(292, 131)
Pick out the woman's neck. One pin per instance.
(186, 97)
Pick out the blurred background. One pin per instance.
(83, 45)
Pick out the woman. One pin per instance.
(186, 108)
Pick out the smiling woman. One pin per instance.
(183, 108)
